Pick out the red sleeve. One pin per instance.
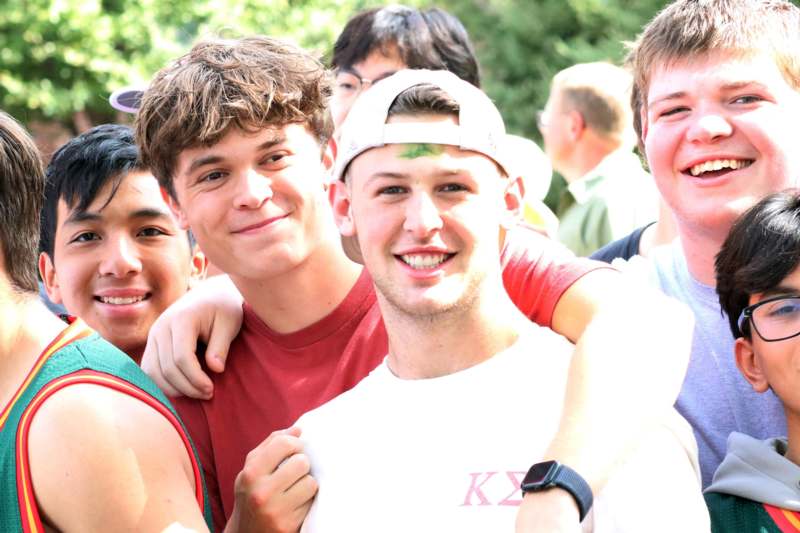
(538, 270)
(194, 418)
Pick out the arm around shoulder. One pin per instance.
(101, 458)
(629, 363)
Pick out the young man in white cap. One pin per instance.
(249, 175)
(429, 440)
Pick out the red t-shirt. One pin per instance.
(271, 379)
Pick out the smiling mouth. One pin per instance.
(717, 167)
(424, 261)
(122, 300)
(259, 225)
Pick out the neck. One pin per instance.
(700, 250)
(586, 156)
(431, 346)
(793, 436)
(305, 294)
(662, 232)
(28, 327)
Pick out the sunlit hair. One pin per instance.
(691, 29)
(249, 83)
(600, 92)
(21, 195)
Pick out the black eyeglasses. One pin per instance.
(774, 319)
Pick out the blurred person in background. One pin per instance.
(587, 128)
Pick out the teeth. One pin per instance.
(718, 164)
(120, 300)
(420, 261)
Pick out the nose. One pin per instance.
(422, 217)
(120, 257)
(253, 190)
(709, 126)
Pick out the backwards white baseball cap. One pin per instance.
(480, 127)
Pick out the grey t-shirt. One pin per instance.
(715, 398)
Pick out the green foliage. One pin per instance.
(62, 57)
(522, 44)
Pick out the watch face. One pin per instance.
(540, 473)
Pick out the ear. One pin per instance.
(176, 209)
(47, 271)
(339, 197)
(749, 366)
(576, 124)
(333, 147)
(514, 198)
(645, 125)
(199, 266)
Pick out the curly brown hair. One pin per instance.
(247, 83)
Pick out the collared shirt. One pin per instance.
(610, 201)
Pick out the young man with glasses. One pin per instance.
(756, 486)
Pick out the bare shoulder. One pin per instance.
(100, 456)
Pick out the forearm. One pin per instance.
(626, 372)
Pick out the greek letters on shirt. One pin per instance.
(493, 488)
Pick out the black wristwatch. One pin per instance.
(547, 474)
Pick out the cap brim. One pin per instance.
(127, 99)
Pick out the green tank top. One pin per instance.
(77, 355)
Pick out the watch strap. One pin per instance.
(572, 482)
(564, 477)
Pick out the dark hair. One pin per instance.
(432, 39)
(249, 83)
(762, 248)
(81, 168)
(21, 192)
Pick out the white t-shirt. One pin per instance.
(449, 453)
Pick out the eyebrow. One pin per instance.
(401, 176)
(79, 217)
(213, 159)
(670, 96)
(150, 212)
(780, 290)
(732, 86)
(357, 74)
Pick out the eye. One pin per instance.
(747, 99)
(212, 176)
(86, 236)
(273, 158)
(345, 86)
(453, 187)
(151, 232)
(392, 189)
(783, 309)
(673, 111)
